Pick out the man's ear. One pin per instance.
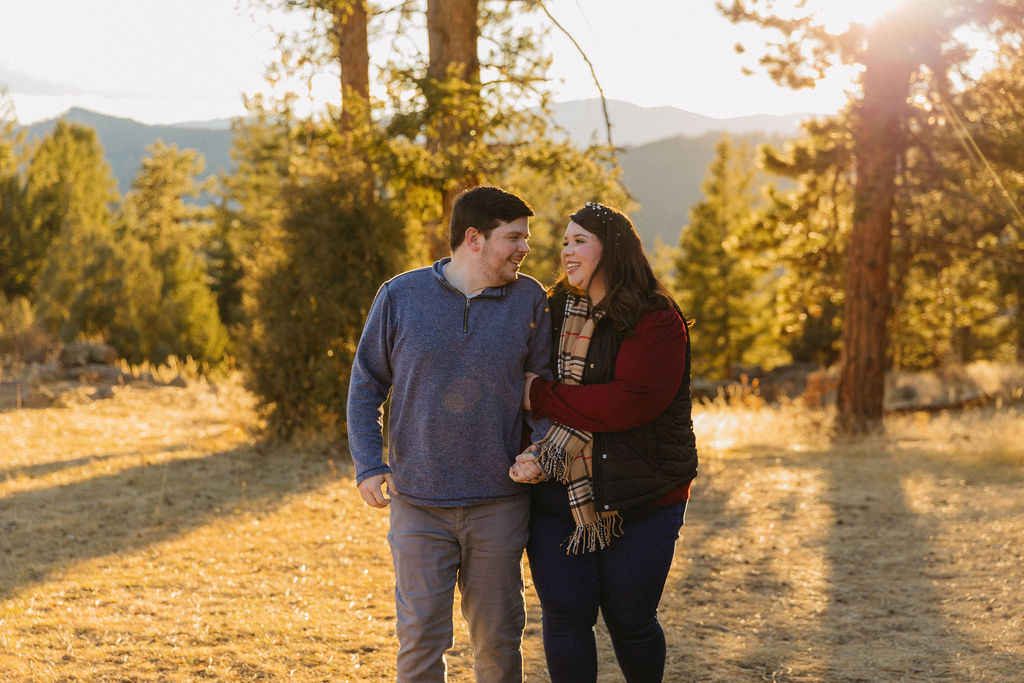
(474, 239)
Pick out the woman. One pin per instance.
(615, 469)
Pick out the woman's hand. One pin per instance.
(530, 376)
(526, 470)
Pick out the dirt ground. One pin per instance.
(151, 537)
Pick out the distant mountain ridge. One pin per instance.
(633, 125)
(665, 178)
(211, 124)
(125, 140)
(666, 153)
(667, 150)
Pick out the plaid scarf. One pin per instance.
(565, 453)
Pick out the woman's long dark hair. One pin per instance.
(631, 288)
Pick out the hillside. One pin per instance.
(633, 125)
(125, 141)
(665, 177)
(666, 150)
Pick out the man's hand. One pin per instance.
(525, 470)
(370, 490)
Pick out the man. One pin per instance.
(452, 343)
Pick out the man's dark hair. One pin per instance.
(484, 208)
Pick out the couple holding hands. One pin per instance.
(598, 494)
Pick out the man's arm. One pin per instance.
(368, 388)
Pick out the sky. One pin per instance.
(165, 62)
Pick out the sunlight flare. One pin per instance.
(837, 16)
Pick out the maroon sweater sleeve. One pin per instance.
(648, 370)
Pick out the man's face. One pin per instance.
(504, 250)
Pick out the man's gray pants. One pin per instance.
(479, 548)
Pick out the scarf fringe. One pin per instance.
(587, 538)
(554, 460)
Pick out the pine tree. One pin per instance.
(914, 44)
(89, 283)
(136, 283)
(308, 303)
(958, 246)
(157, 213)
(955, 252)
(95, 285)
(68, 185)
(223, 252)
(15, 279)
(715, 285)
(804, 232)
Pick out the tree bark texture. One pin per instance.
(453, 32)
(349, 26)
(879, 141)
(1019, 321)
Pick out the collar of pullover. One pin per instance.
(438, 270)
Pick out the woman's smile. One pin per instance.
(581, 258)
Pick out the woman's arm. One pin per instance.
(530, 376)
(648, 369)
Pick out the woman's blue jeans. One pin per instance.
(624, 581)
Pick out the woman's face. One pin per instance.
(581, 254)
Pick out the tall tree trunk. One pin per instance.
(349, 27)
(452, 33)
(1019, 320)
(879, 140)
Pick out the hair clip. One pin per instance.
(605, 215)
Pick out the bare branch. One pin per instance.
(593, 74)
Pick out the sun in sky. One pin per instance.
(837, 15)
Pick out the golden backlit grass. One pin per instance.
(150, 537)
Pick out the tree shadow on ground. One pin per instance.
(42, 469)
(43, 531)
(882, 617)
(687, 631)
(883, 602)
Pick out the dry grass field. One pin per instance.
(150, 537)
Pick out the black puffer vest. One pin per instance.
(638, 465)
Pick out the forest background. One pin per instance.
(886, 237)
